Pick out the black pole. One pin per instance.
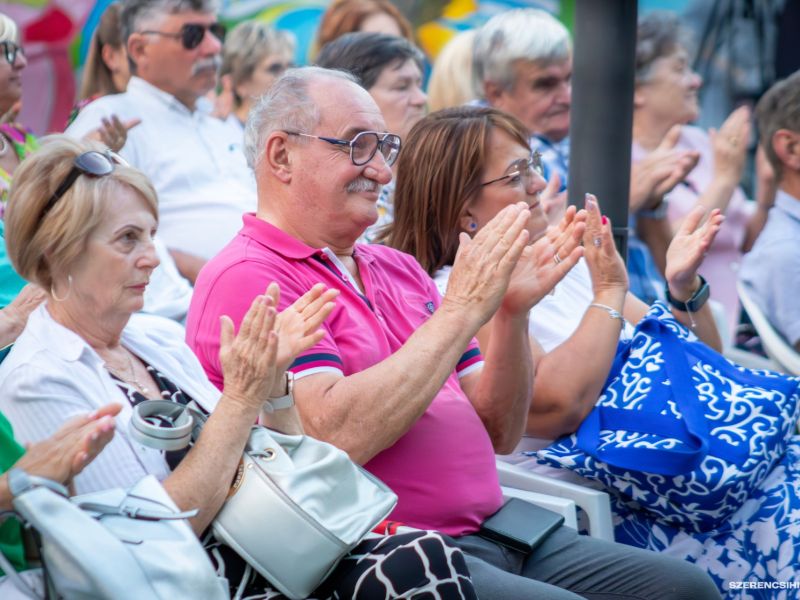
(602, 108)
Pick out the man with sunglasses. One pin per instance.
(194, 161)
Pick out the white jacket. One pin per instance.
(52, 374)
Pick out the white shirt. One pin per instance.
(194, 161)
(168, 294)
(556, 317)
(52, 374)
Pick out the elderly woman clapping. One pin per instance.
(81, 223)
(665, 103)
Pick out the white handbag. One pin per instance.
(115, 544)
(297, 506)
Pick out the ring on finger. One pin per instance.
(598, 241)
(556, 258)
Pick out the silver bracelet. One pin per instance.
(612, 312)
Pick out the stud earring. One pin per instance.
(473, 226)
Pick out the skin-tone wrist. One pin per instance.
(458, 312)
(613, 297)
(517, 319)
(5, 494)
(682, 293)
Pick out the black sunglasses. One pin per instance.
(93, 164)
(10, 49)
(191, 34)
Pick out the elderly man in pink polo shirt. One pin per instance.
(398, 380)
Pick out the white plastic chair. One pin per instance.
(559, 496)
(775, 346)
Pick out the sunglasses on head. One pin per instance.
(92, 164)
(191, 34)
(10, 50)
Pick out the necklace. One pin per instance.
(132, 379)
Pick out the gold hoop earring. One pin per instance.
(69, 289)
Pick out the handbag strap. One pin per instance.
(133, 512)
(691, 431)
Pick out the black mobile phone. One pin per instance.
(520, 525)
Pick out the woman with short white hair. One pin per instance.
(254, 55)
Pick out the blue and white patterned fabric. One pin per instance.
(759, 544)
(555, 157)
(689, 446)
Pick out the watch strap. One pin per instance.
(285, 401)
(696, 302)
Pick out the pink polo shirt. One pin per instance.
(443, 469)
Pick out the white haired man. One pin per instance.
(523, 66)
(194, 161)
(398, 381)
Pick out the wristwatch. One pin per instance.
(696, 302)
(285, 401)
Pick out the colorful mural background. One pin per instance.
(56, 36)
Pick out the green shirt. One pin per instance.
(10, 532)
(10, 281)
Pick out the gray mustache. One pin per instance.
(362, 184)
(213, 62)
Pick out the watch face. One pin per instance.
(700, 297)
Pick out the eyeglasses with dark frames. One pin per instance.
(10, 51)
(91, 164)
(192, 34)
(364, 145)
(524, 172)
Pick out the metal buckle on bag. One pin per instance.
(162, 424)
(267, 454)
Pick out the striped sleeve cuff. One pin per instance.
(310, 364)
(470, 361)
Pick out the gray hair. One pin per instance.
(658, 35)
(136, 12)
(287, 106)
(779, 108)
(247, 45)
(526, 34)
(8, 29)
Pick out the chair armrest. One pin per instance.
(566, 508)
(594, 503)
(750, 360)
